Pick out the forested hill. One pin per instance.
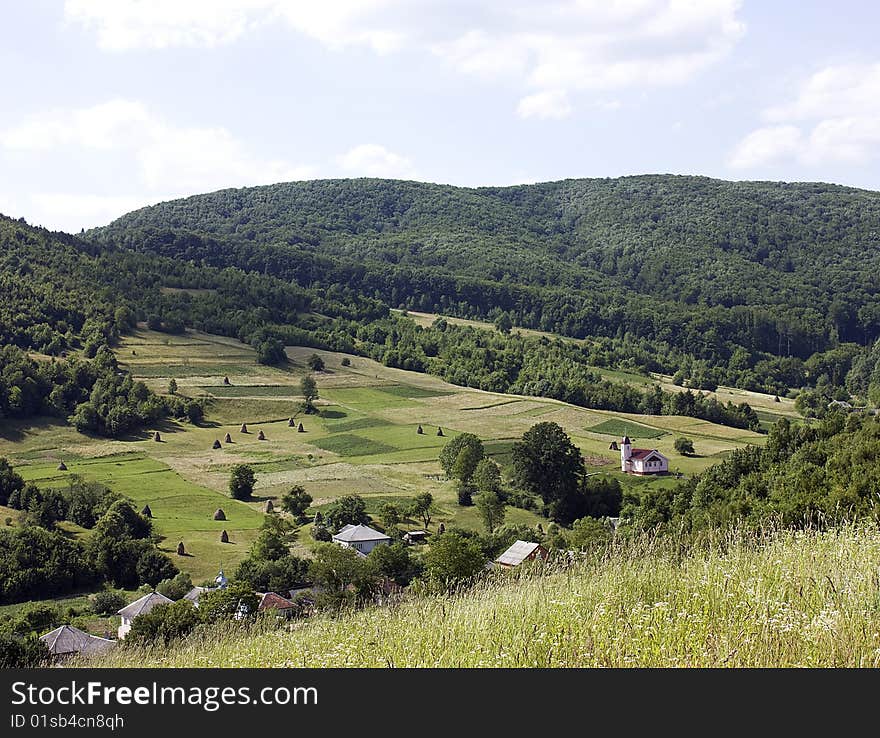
(704, 265)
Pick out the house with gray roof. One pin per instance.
(361, 538)
(68, 641)
(521, 551)
(139, 607)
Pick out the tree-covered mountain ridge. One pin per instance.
(802, 257)
(649, 233)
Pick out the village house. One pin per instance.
(139, 607)
(362, 538)
(274, 602)
(641, 461)
(521, 551)
(67, 641)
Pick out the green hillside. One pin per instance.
(778, 599)
(363, 441)
(730, 273)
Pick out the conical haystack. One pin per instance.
(300, 429)
(146, 512)
(228, 439)
(219, 514)
(261, 437)
(244, 428)
(224, 537)
(181, 551)
(216, 444)
(62, 466)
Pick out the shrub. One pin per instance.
(107, 602)
(163, 624)
(174, 588)
(17, 652)
(241, 482)
(684, 446)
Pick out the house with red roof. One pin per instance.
(641, 461)
(281, 605)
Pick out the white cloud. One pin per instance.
(766, 145)
(162, 157)
(834, 119)
(373, 160)
(547, 104)
(570, 45)
(157, 24)
(75, 211)
(145, 157)
(846, 90)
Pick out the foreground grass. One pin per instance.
(739, 600)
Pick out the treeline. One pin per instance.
(804, 475)
(94, 395)
(38, 561)
(499, 362)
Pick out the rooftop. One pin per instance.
(144, 604)
(67, 640)
(517, 553)
(358, 533)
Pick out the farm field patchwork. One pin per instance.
(363, 440)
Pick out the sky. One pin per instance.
(110, 105)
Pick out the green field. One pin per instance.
(182, 511)
(364, 441)
(621, 428)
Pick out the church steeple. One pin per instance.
(625, 453)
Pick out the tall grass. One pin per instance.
(737, 599)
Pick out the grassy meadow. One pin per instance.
(767, 599)
(363, 441)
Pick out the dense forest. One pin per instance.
(812, 475)
(726, 282)
(767, 286)
(103, 292)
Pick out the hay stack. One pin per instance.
(146, 512)
(216, 444)
(62, 466)
(244, 428)
(157, 437)
(219, 514)
(439, 431)
(613, 446)
(420, 431)
(300, 429)
(224, 537)
(261, 437)
(291, 423)
(225, 380)
(269, 506)
(228, 439)
(181, 551)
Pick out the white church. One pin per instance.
(641, 460)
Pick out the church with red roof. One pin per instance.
(641, 460)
